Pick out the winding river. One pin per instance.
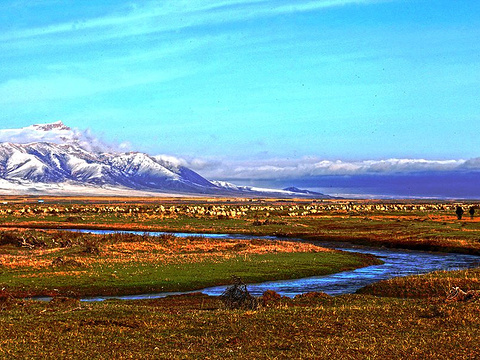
(397, 262)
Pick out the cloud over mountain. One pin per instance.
(312, 166)
(58, 133)
(388, 178)
(56, 153)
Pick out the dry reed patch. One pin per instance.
(13, 262)
(181, 250)
(154, 251)
(203, 245)
(266, 246)
(27, 258)
(32, 261)
(38, 259)
(390, 217)
(123, 248)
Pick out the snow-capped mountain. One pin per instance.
(288, 192)
(55, 163)
(53, 156)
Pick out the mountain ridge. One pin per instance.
(66, 161)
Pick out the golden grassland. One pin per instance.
(401, 318)
(197, 326)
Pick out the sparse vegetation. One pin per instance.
(432, 285)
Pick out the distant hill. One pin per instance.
(305, 192)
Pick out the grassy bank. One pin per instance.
(435, 284)
(345, 327)
(65, 263)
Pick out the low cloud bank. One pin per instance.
(217, 168)
(390, 178)
(312, 167)
(455, 178)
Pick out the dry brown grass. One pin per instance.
(138, 249)
(432, 285)
(197, 326)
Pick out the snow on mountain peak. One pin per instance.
(57, 133)
(58, 125)
(59, 163)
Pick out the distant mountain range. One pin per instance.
(60, 162)
(302, 191)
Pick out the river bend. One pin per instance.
(397, 262)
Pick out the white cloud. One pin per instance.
(303, 6)
(472, 164)
(227, 169)
(58, 133)
(176, 161)
(197, 164)
(276, 169)
(157, 16)
(55, 87)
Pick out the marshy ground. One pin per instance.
(399, 318)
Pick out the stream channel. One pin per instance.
(397, 262)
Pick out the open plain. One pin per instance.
(406, 317)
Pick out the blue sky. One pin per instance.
(248, 81)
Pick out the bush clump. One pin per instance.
(238, 297)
